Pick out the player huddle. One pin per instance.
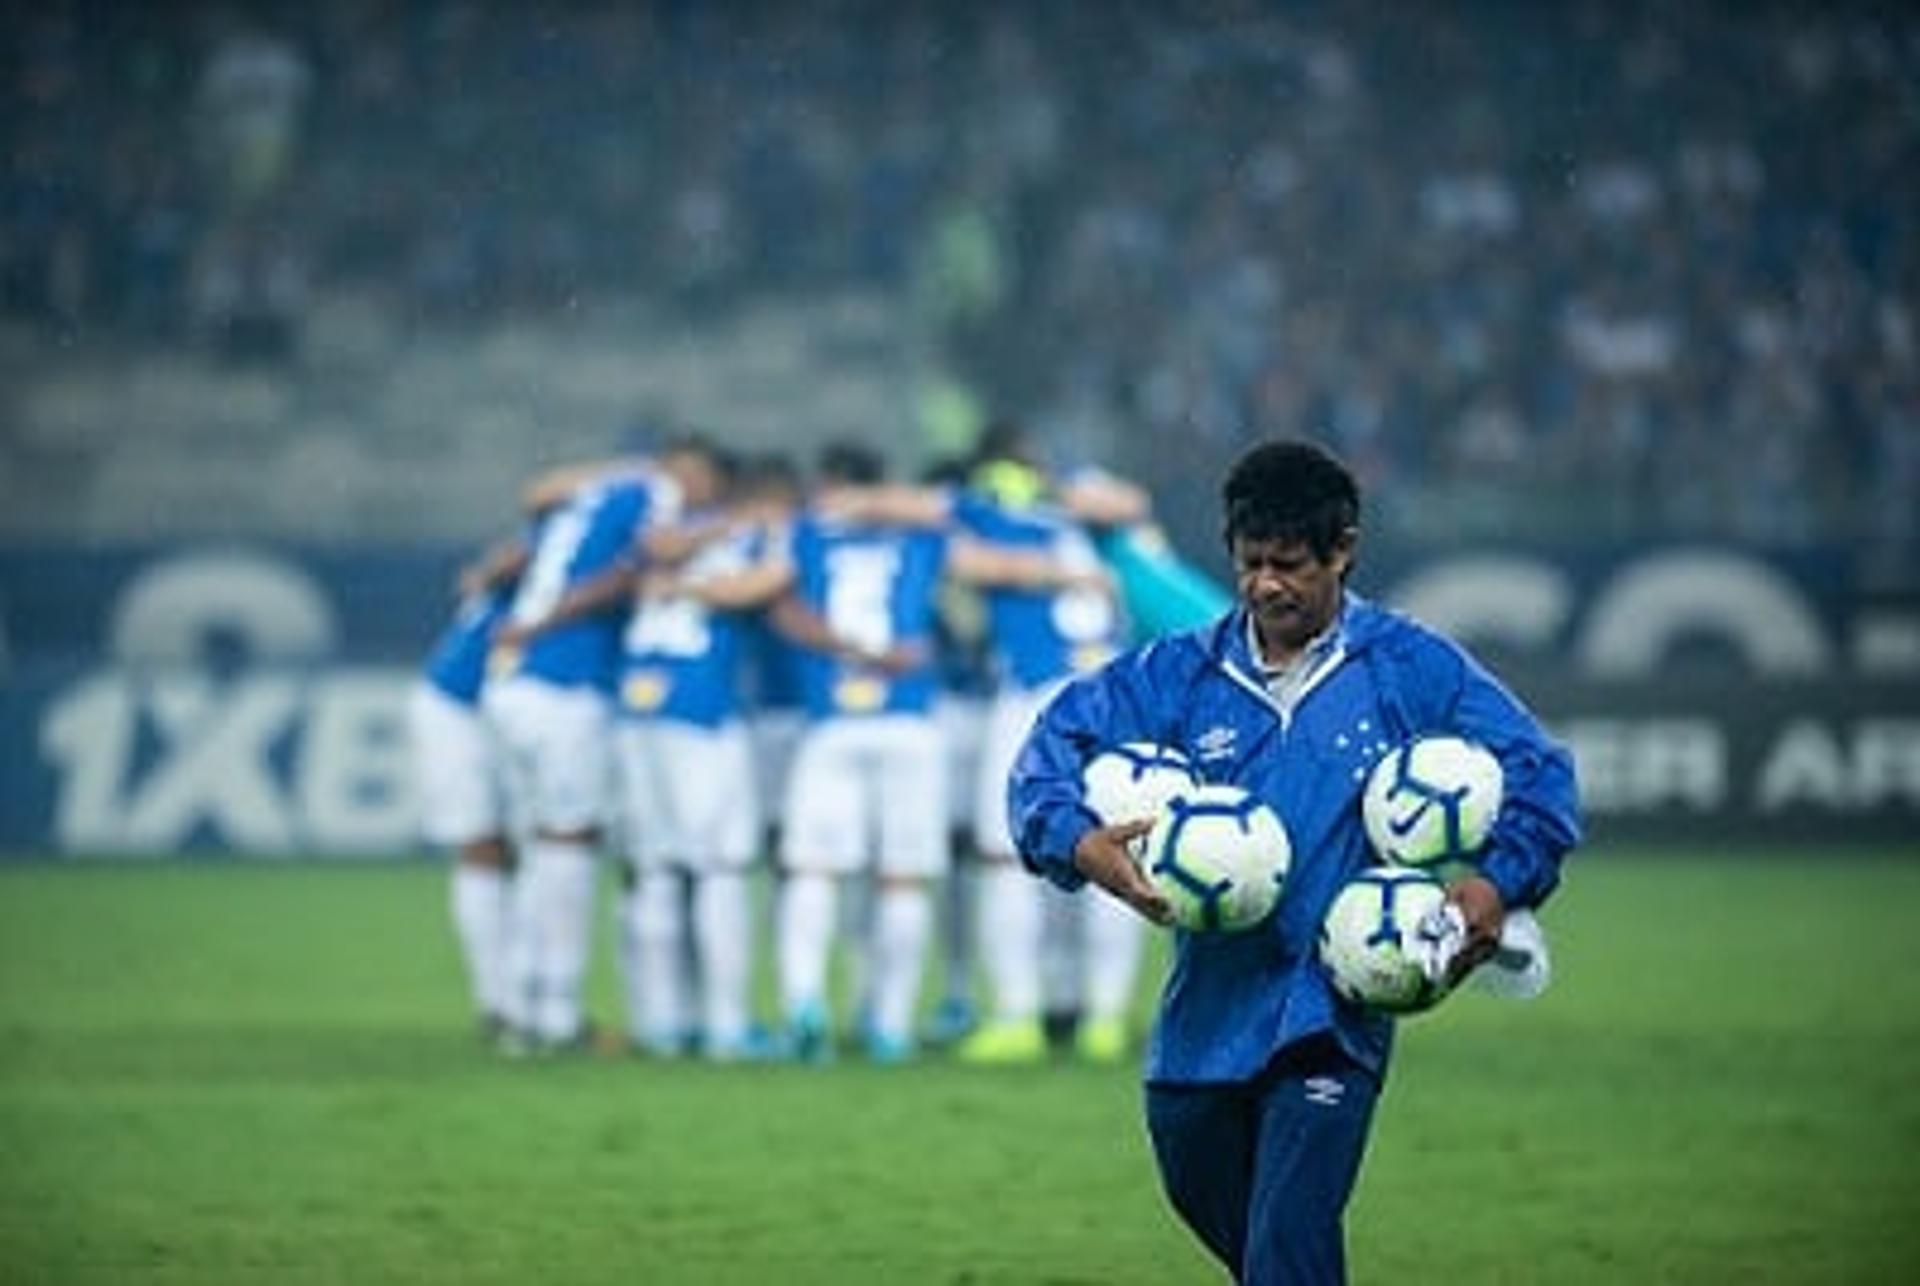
(685, 653)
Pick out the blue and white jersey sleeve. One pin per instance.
(593, 531)
(1038, 636)
(457, 665)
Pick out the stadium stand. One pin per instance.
(1550, 270)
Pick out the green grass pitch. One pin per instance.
(265, 1073)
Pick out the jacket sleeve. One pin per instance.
(1129, 699)
(1539, 821)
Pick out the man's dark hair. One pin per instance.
(1290, 490)
(688, 443)
(850, 461)
(1003, 439)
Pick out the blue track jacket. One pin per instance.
(1234, 1000)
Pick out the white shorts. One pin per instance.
(962, 721)
(456, 769)
(687, 794)
(1008, 722)
(869, 793)
(554, 742)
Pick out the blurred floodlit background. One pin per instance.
(1612, 305)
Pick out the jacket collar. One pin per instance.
(1355, 628)
(1352, 631)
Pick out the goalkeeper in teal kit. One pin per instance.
(1260, 1080)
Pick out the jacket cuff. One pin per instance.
(1520, 879)
(1060, 835)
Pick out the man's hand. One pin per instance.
(1104, 855)
(1484, 914)
(893, 660)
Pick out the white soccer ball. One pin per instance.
(1371, 940)
(1220, 856)
(1432, 800)
(1133, 781)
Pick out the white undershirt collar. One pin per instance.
(1286, 685)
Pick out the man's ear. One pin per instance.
(1346, 551)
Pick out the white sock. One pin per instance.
(723, 937)
(656, 981)
(806, 938)
(1009, 927)
(560, 874)
(479, 904)
(1115, 935)
(903, 920)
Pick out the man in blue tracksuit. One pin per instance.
(1260, 1081)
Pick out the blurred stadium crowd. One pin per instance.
(1579, 269)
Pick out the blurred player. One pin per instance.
(868, 790)
(1077, 954)
(459, 777)
(861, 610)
(551, 677)
(770, 679)
(961, 711)
(1039, 640)
(688, 784)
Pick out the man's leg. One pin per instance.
(723, 942)
(1010, 909)
(1009, 927)
(822, 832)
(458, 774)
(558, 876)
(1203, 1142)
(657, 987)
(652, 921)
(479, 900)
(902, 923)
(908, 783)
(565, 756)
(1314, 1115)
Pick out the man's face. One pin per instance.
(699, 480)
(1291, 593)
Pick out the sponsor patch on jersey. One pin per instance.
(859, 696)
(502, 661)
(645, 690)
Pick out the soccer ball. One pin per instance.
(1133, 781)
(1432, 800)
(1219, 856)
(1370, 940)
